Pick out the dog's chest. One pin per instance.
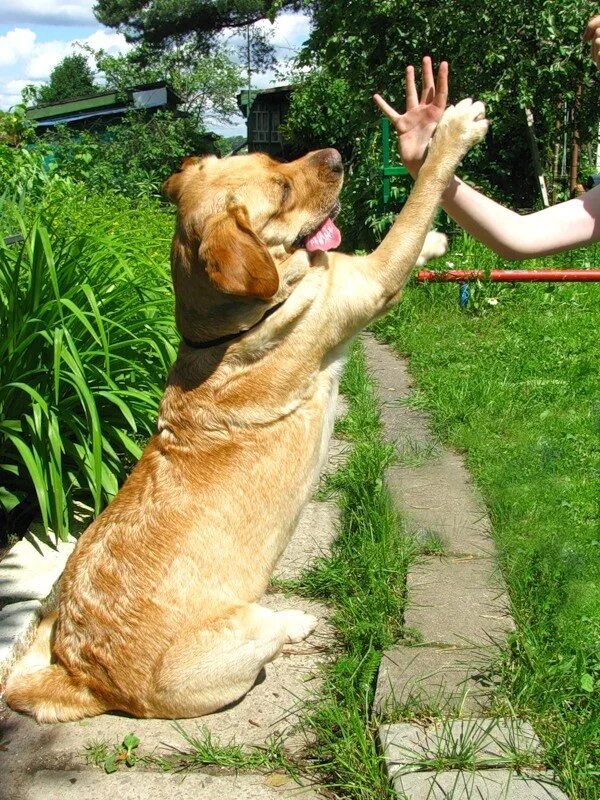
(329, 386)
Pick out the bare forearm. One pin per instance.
(511, 235)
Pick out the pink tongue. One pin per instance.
(327, 237)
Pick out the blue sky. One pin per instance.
(36, 34)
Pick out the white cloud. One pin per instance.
(32, 61)
(290, 31)
(16, 45)
(47, 55)
(47, 12)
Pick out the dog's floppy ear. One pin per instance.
(236, 260)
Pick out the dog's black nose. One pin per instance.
(331, 158)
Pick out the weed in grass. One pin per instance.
(100, 754)
(469, 745)
(202, 751)
(417, 454)
(430, 543)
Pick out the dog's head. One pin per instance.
(241, 218)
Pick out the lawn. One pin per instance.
(514, 383)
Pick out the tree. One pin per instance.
(205, 83)
(157, 22)
(514, 55)
(72, 77)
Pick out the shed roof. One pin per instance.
(147, 95)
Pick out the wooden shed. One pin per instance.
(267, 111)
(99, 110)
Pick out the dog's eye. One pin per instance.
(286, 189)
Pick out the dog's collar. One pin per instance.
(231, 336)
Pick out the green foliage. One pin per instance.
(160, 21)
(227, 144)
(132, 157)
(514, 384)
(72, 77)
(111, 758)
(205, 83)
(15, 128)
(511, 55)
(88, 336)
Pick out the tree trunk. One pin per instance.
(573, 182)
(536, 158)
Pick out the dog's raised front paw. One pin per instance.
(461, 127)
(297, 624)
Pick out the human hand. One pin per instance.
(416, 126)
(592, 34)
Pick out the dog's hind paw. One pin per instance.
(297, 624)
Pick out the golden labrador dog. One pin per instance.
(158, 612)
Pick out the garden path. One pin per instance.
(458, 615)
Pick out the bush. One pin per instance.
(132, 157)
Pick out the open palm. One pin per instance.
(416, 126)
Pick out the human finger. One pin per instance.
(441, 91)
(591, 27)
(386, 108)
(428, 88)
(412, 98)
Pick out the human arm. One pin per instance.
(511, 235)
(575, 223)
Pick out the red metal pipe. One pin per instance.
(508, 275)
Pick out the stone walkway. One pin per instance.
(47, 762)
(458, 614)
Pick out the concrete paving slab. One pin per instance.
(492, 784)
(430, 484)
(315, 533)
(458, 602)
(402, 425)
(135, 784)
(18, 622)
(439, 496)
(30, 569)
(488, 742)
(431, 677)
(271, 709)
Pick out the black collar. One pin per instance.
(231, 336)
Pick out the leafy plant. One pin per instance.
(111, 758)
(87, 340)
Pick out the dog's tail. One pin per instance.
(46, 691)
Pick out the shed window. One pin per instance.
(261, 123)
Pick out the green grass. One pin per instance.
(515, 385)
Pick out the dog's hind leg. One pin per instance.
(208, 669)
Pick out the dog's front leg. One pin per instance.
(369, 285)
(460, 128)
